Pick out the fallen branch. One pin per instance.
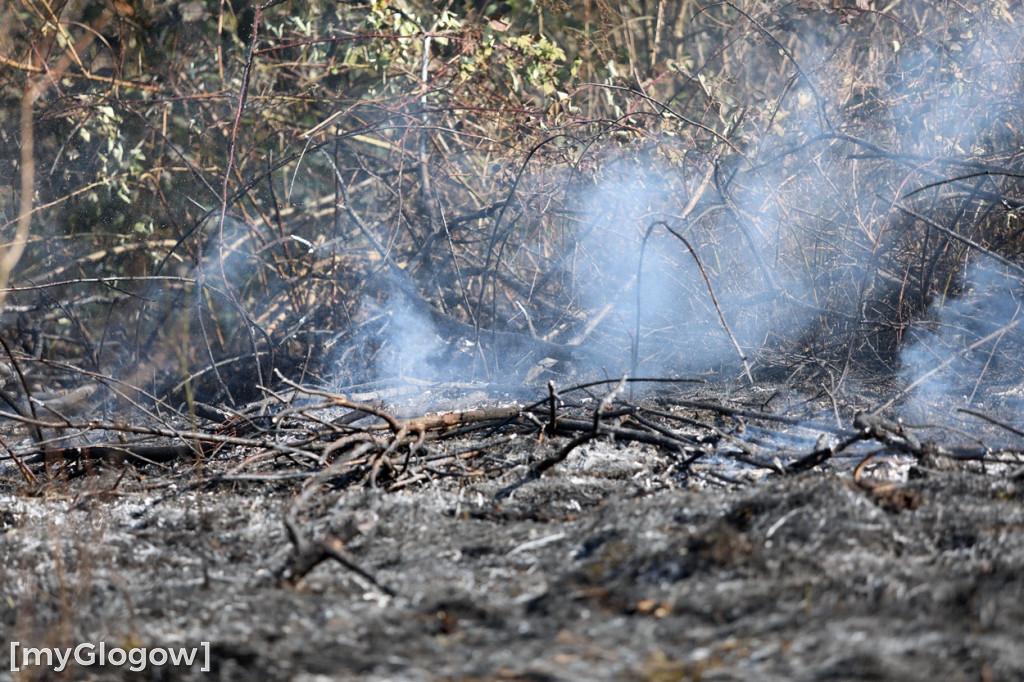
(446, 420)
(888, 496)
(308, 555)
(596, 431)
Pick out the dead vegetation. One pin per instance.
(318, 250)
(797, 190)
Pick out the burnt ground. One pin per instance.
(619, 563)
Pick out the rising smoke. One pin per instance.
(635, 245)
(802, 234)
(974, 340)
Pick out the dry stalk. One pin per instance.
(711, 293)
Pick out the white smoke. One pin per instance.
(977, 340)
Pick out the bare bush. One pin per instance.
(342, 194)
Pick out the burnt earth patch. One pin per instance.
(578, 575)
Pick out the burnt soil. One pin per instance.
(617, 564)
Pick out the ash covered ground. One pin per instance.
(618, 563)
